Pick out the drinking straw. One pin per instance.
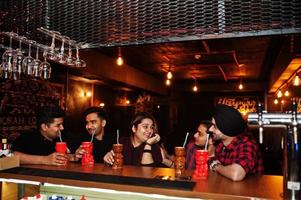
(186, 139)
(207, 140)
(92, 137)
(117, 136)
(60, 136)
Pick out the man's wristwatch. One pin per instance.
(214, 164)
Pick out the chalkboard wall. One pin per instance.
(19, 101)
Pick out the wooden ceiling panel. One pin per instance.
(212, 61)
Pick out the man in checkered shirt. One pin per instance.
(236, 154)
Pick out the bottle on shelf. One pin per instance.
(4, 148)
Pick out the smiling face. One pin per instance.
(95, 124)
(201, 135)
(143, 131)
(52, 130)
(217, 134)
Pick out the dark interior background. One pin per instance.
(215, 44)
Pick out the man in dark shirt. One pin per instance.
(236, 155)
(96, 120)
(199, 141)
(37, 146)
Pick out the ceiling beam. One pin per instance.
(284, 67)
(104, 67)
(292, 67)
(223, 87)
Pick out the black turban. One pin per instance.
(228, 120)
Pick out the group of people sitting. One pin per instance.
(232, 153)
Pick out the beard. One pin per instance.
(94, 131)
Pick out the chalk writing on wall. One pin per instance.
(19, 101)
(243, 104)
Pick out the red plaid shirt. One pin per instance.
(242, 151)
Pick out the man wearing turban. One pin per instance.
(236, 155)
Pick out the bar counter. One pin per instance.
(149, 180)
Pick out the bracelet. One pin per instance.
(214, 164)
(148, 165)
(147, 151)
(148, 144)
(210, 161)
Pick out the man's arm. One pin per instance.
(235, 172)
(52, 159)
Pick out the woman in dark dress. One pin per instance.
(142, 147)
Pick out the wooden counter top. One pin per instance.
(215, 187)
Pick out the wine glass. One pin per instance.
(51, 54)
(70, 60)
(45, 68)
(78, 61)
(7, 59)
(61, 56)
(18, 58)
(6, 66)
(36, 65)
(28, 62)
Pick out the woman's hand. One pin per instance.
(166, 161)
(153, 140)
(109, 157)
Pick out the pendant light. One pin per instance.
(167, 82)
(119, 60)
(195, 87)
(240, 86)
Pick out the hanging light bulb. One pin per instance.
(167, 82)
(88, 94)
(279, 94)
(119, 60)
(296, 80)
(240, 86)
(286, 93)
(195, 87)
(169, 75)
(276, 101)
